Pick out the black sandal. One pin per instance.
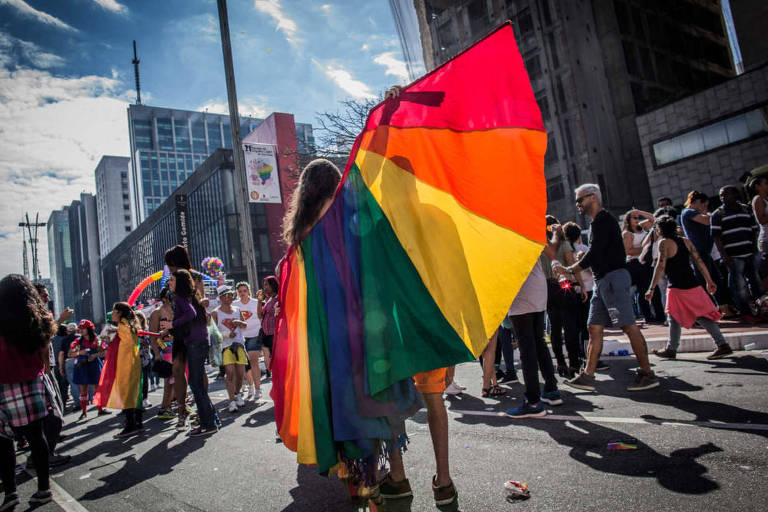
(493, 392)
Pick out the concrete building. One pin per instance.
(167, 145)
(707, 140)
(113, 205)
(203, 212)
(84, 244)
(594, 66)
(60, 260)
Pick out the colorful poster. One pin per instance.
(261, 173)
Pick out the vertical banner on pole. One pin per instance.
(181, 219)
(261, 173)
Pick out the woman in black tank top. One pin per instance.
(687, 303)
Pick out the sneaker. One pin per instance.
(10, 502)
(582, 381)
(391, 489)
(463, 388)
(239, 400)
(499, 374)
(146, 404)
(41, 497)
(526, 410)
(202, 431)
(83, 415)
(452, 389)
(444, 495)
(667, 353)
(601, 366)
(58, 460)
(232, 406)
(104, 412)
(644, 381)
(552, 397)
(721, 352)
(509, 377)
(166, 414)
(181, 425)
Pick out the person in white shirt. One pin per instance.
(229, 322)
(248, 307)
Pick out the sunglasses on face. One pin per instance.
(581, 199)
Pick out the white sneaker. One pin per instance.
(232, 407)
(145, 404)
(256, 394)
(239, 400)
(459, 385)
(453, 389)
(251, 393)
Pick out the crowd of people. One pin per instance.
(676, 268)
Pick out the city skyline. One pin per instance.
(66, 80)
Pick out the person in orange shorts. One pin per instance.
(431, 385)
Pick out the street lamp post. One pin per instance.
(241, 187)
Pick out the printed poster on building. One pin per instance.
(261, 173)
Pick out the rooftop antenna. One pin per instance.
(32, 239)
(136, 72)
(24, 249)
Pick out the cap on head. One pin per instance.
(85, 324)
(71, 327)
(224, 289)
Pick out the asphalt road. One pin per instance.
(702, 444)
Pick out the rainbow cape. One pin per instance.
(120, 384)
(435, 226)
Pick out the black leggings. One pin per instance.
(33, 433)
(534, 354)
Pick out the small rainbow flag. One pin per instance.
(435, 226)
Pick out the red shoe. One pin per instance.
(751, 319)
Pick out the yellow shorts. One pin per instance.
(228, 356)
(432, 381)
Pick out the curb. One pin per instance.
(695, 343)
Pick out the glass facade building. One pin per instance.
(207, 202)
(167, 145)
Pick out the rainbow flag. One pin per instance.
(435, 226)
(120, 384)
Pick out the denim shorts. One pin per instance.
(611, 303)
(252, 344)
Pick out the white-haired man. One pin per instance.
(611, 302)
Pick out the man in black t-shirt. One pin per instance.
(611, 302)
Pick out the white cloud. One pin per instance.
(345, 81)
(112, 5)
(395, 67)
(27, 10)
(210, 29)
(53, 130)
(284, 23)
(12, 48)
(365, 47)
(247, 107)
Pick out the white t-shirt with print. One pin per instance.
(248, 313)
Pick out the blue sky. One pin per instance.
(66, 79)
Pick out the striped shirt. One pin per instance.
(737, 229)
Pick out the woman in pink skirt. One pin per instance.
(687, 302)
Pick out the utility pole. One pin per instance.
(32, 244)
(241, 186)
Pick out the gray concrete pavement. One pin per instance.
(702, 444)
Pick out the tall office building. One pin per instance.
(167, 145)
(750, 19)
(594, 65)
(116, 218)
(84, 244)
(60, 259)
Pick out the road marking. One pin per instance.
(60, 496)
(636, 421)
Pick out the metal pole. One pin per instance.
(241, 186)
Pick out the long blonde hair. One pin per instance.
(317, 184)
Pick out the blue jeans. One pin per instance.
(740, 270)
(74, 389)
(675, 331)
(197, 351)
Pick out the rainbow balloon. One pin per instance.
(142, 285)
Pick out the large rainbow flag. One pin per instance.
(436, 224)
(120, 384)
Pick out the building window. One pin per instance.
(532, 64)
(728, 131)
(553, 50)
(561, 95)
(525, 22)
(123, 174)
(568, 138)
(546, 14)
(214, 135)
(127, 229)
(555, 189)
(165, 134)
(477, 12)
(142, 131)
(125, 197)
(446, 35)
(551, 155)
(127, 218)
(198, 137)
(181, 132)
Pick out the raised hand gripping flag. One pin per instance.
(435, 226)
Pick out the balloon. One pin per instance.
(142, 285)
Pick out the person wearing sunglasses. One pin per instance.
(611, 302)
